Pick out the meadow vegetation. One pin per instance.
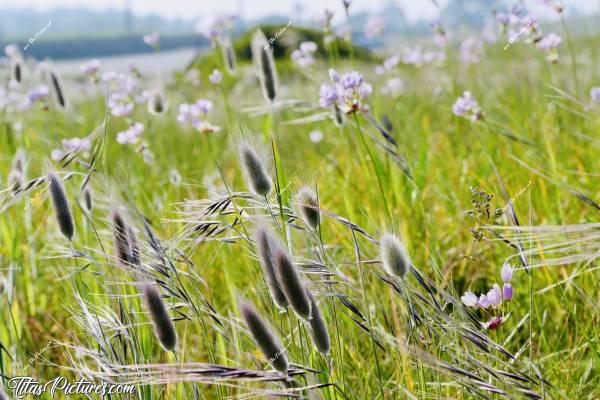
(289, 228)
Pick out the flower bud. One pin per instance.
(507, 291)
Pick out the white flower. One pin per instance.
(393, 87)
(308, 47)
(374, 27)
(76, 144)
(315, 136)
(471, 50)
(203, 126)
(122, 109)
(57, 154)
(303, 55)
(91, 67)
(12, 50)
(466, 106)
(507, 272)
(595, 94)
(71, 145)
(215, 77)
(550, 41)
(195, 115)
(470, 299)
(495, 296)
(152, 39)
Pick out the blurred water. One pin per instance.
(161, 63)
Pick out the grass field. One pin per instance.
(172, 211)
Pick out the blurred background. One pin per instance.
(68, 31)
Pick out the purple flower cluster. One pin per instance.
(495, 296)
(374, 27)
(195, 114)
(388, 64)
(471, 50)
(595, 94)
(550, 43)
(345, 32)
(324, 20)
(122, 93)
(215, 77)
(218, 27)
(554, 5)
(488, 33)
(131, 135)
(440, 37)
(466, 106)
(303, 56)
(518, 25)
(152, 40)
(70, 145)
(417, 57)
(347, 92)
(12, 51)
(8, 98)
(394, 87)
(36, 93)
(91, 68)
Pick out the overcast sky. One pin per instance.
(195, 9)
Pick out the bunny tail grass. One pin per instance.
(17, 175)
(125, 241)
(163, 326)
(254, 170)
(61, 206)
(266, 244)
(87, 200)
(291, 284)
(265, 65)
(19, 161)
(394, 256)
(338, 116)
(228, 55)
(3, 395)
(60, 96)
(157, 104)
(308, 205)
(264, 337)
(17, 72)
(318, 327)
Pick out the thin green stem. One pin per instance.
(376, 166)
